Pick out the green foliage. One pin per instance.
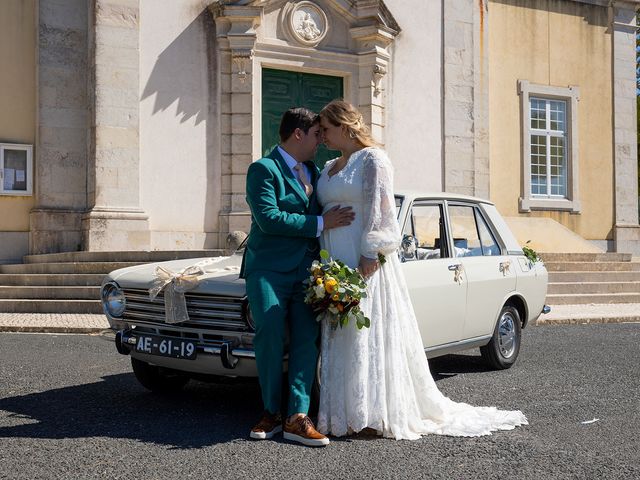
(531, 254)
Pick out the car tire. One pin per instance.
(502, 350)
(158, 379)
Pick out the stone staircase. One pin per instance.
(583, 278)
(70, 282)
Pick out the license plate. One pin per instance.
(166, 347)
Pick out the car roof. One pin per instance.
(416, 194)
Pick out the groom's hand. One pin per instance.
(338, 217)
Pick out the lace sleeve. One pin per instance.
(381, 231)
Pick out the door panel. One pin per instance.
(437, 293)
(490, 275)
(282, 90)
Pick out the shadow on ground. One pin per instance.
(202, 414)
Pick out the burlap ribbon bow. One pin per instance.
(176, 284)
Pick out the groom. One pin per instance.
(286, 222)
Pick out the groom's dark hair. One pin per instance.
(298, 117)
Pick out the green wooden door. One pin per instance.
(282, 90)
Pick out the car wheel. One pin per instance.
(158, 379)
(502, 350)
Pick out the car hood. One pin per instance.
(221, 275)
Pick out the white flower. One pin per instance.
(319, 289)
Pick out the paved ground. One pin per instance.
(88, 323)
(70, 408)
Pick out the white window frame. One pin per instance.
(29, 173)
(571, 95)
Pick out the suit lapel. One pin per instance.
(288, 175)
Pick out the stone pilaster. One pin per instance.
(236, 37)
(623, 30)
(465, 97)
(61, 138)
(373, 63)
(114, 220)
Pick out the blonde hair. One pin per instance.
(341, 113)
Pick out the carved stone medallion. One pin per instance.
(307, 23)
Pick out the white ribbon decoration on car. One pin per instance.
(175, 284)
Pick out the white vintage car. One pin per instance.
(470, 284)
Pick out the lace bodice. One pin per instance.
(366, 184)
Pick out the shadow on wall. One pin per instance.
(186, 72)
(174, 75)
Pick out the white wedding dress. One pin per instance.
(379, 377)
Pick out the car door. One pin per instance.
(437, 291)
(488, 270)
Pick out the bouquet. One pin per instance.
(334, 291)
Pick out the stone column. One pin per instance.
(61, 135)
(114, 220)
(465, 97)
(373, 60)
(623, 29)
(236, 36)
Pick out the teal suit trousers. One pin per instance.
(277, 305)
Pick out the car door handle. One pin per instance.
(457, 268)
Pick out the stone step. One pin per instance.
(593, 287)
(70, 268)
(43, 279)
(125, 256)
(591, 266)
(566, 277)
(585, 257)
(50, 306)
(50, 293)
(584, 298)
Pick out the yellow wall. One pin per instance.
(17, 97)
(556, 43)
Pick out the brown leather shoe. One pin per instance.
(267, 427)
(302, 430)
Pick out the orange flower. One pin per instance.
(340, 307)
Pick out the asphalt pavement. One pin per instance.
(71, 408)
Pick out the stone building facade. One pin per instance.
(144, 115)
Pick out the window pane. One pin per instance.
(538, 113)
(465, 233)
(15, 170)
(557, 114)
(428, 235)
(489, 245)
(538, 164)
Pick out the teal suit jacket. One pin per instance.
(284, 222)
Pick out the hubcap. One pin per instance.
(507, 335)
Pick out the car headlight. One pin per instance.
(113, 300)
(249, 317)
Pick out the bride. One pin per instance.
(378, 377)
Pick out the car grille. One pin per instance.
(205, 311)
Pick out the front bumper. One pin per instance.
(215, 358)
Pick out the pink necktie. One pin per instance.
(308, 188)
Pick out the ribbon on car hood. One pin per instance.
(175, 284)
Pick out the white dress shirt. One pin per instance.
(292, 162)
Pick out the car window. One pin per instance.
(487, 240)
(466, 240)
(398, 205)
(424, 234)
(471, 234)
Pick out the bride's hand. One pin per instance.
(368, 266)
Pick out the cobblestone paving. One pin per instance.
(52, 322)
